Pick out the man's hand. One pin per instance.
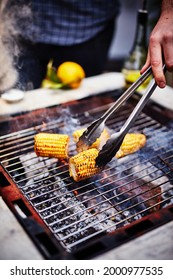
(161, 44)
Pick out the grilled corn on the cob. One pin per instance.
(51, 145)
(82, 165)
(132, 142)
(98, 144)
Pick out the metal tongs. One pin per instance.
(95, 129)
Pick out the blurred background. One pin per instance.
(125, 32)
(126, 25)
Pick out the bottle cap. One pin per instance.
(142, 16)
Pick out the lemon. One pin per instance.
(71, 74)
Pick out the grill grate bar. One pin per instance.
(23, 161)
(17, 134)
(70, 184)
(112, 197)
(24, 173)
(24, 150)
(30, 147)
(109, 202)
(120, 222)
(109, 227)
(22, 180)
(149, 145)
(120, 194)
(67, 185)
(21, 145)
(13, 142)
(167, 163)
(51, 124)
(25, 137)
(42, 179)
(77, 196)
(96, 188)
(119, 212)
(142, 120)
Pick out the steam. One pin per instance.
(13, 17)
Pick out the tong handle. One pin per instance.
(127, 94)
(95, 129)
(135, 113)
(113, 144)
(140, 105)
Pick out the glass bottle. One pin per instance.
(137, 57)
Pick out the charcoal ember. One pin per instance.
(140, 195)
(73, 237)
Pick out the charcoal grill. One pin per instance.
(70, 220)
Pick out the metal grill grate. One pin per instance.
(125, 191)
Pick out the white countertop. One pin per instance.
(14, 242)
(41, 98)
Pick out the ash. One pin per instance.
(135, 186)
(67, 216)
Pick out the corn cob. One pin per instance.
(98, 144)
(132, 142)
(51, 145)
(82, 165)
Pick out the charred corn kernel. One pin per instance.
(98, 144)
(83, 165)
(132, 142)
(51, 145)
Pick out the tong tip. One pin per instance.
(109, 150)
(81, 145)
(90, 135)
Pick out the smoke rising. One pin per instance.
(14, 17)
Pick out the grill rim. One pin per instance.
(129, 225)
(103, 242)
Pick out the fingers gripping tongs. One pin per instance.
(113, 144)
